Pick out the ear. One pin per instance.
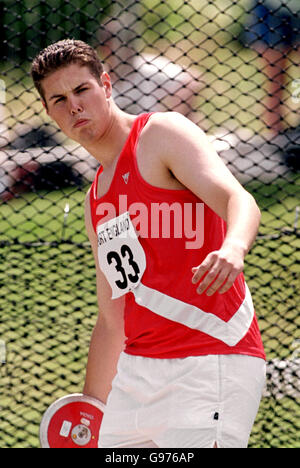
(106, 83)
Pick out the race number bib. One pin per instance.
(121, 256)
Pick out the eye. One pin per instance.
(59, 100)
(81, 90)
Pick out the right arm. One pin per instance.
(108, 336)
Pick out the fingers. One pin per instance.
(213, 280)
(216, 274)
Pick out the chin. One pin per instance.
(86, 138)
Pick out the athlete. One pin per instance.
(176, 353)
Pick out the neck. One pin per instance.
(108, 147)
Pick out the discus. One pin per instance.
(72, 421)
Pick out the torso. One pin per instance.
(163, 315)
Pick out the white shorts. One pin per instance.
(195, 402)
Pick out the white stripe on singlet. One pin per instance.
(230, 332)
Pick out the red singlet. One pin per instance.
(164, 316)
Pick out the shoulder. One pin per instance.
(172, 130)
(171, 133)
(169, 122)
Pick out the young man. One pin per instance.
(176, 353)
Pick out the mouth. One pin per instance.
(80, 123)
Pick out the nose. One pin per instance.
(76, 110)
(75, 107)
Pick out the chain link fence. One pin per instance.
(230, 66)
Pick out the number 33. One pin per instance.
(124, 265)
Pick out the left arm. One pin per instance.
(191, 158)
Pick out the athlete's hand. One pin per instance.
(219, 270)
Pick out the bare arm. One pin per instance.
(190, 157)
(108, 337)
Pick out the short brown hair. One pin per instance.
(63, 53)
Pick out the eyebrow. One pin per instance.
(55, 96)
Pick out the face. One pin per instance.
(78, 103)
